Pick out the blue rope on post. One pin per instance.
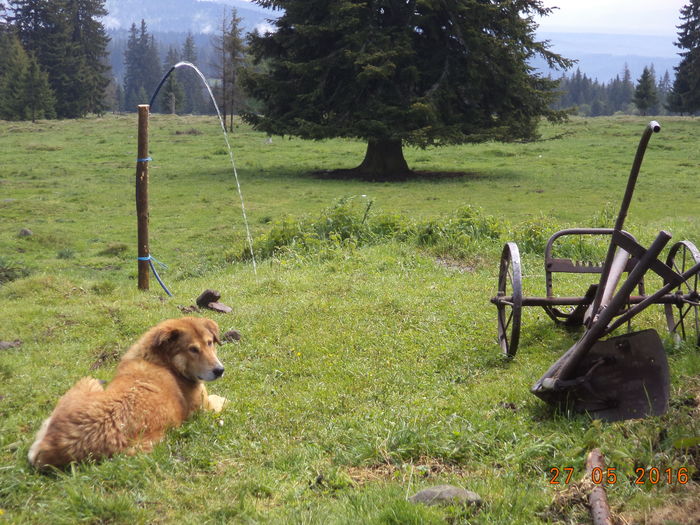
(150, 260)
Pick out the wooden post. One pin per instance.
(142, 197)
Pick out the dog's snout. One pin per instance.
(218, 371)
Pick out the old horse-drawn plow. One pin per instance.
(625, 376)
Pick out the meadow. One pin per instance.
(368, 366)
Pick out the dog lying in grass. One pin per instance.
(158, 385)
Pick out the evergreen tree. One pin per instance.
(38, 99)
(171, 94)
(230, 51)
(13, 65)
(44, 29)
(412, 72)
(70, 44)
(645, 97)
(191, 83)
(24, 88)
(663, 89)
(143, 68)
(685, 94)
(89, 35)
(626, 90)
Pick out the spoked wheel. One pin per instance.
(684, 318)
(509, 300)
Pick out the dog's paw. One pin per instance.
(216, 403)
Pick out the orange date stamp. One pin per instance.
(609, 476)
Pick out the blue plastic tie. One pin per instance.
(144, 160)
(150, 260)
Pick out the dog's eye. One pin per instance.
(209, 343)
(194, 349)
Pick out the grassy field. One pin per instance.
(368, 367)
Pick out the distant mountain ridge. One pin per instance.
(603, 56)
(181, 16)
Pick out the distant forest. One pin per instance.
(57, 60)
(589, 98)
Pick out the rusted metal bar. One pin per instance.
(142, 198)
(658, 298)
(652, 127)
(655, 299)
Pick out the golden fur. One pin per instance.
(158, 384)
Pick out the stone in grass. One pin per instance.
(25, 232)
(208, 296)
(446, 495)
(5, 345)
(232, 335)
(220, 307)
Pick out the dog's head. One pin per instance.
(188, 346)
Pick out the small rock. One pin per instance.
(232, 335)
(25, 232)
(220, 307)
(446, 495)
(208, 296)
(5, 345)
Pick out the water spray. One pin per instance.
(142, 180)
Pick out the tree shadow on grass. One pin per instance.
(413, 176)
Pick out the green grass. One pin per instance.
(368, 367)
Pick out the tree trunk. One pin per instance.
(384, 160)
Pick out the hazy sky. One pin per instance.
(642, 17)
(637, 17)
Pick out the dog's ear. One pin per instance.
(213, 328)
(164, 336)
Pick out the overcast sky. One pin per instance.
(640, 17)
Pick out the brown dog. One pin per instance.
(158, 384)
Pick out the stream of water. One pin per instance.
(228, 145)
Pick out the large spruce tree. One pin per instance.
(395, 72)
(685, 94)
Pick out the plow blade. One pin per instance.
(624, 377)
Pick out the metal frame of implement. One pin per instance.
(624, 376)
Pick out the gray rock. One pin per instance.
(208, 296)
(25, 232)
(446, 495)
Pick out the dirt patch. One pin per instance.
(684, 511)
(424, 468)
(456, 265)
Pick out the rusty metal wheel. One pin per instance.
(509, 299)
(683, 319)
